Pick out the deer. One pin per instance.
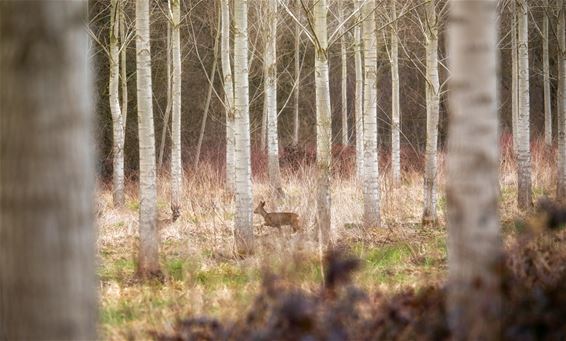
(277, 219)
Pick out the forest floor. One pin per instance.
(204, 279)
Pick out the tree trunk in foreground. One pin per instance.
(372, 216)
(344, 76)
(359, 118)
(176, 162)
(243, 229)
(474, 246)
(323, 123)
(47, 236)
(395, 105)
(561, 101)
(228, 95)
(546, 78)
(514, 79)
(148, 258)
(296, 121)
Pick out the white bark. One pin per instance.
(514, 79)
(123, 64)
(344, 78)
(474, 246)
(432, 113)
(372, 216)
(297, 51)
(524, 194)
(228, 95)
(243, 229)
(323, 122)
(561, 101)
(47, 235)
(546, 78)
(148, 261)
(118, 123)
(165, 126)
(176, 162)
(270, 73)
(395, 105)
(359, 116)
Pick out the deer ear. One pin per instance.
(262, 203)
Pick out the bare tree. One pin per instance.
(270, 97)
(47, 235)
(395, 105)
(561, 100)
(344, 75)
(118, 120)
(228, 95)
(514, 78)
(359, 117)
(297, 50)
(176, 166)
(432, 113)
(148, 261)
(474, 246)
(372, 217)
(243, 228)
(546, 77)
(524, 193)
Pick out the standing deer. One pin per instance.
(277, 219)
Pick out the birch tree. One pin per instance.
(524, 194)
(514, 78)
(359, 104)
(270, 73)
(243, 230)
(148, 260)
(474, 246)
(546, 78)
(323, 121)
(297, 50)
(176, 166)
(395, 105)
(228, 95)
(344, 75)
(47, 236)
(561, 100)
(432, 113)
(118, 121)
(123, 62)
(372, 216)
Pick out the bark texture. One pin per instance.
(344, 76)
(395, 105)
(176, 162)
(561, 101)
(228, 95)
(47, 235)
(359, 116)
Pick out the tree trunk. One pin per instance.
(176, 162)
(148, 261)
(296, 121)
(372, 216)
(123, 64)
(359, 96)
(243, 230)
(228, 95)
(524, 194)
(546, 79)
(344, 64)
(47, 236)
(514, 79)
(270, 65)
(474, 246)
(432, 113)
(323, 122)
(561, 102)
(169, 99)
(117, 117)
(395, 105)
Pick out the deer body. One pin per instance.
(278, 219)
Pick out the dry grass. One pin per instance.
(203, 277)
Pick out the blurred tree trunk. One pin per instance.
(524, 195)
(474, 246)
(359, 94)
(296, 121)
(323, 122)
(228, 95)
(514, 79)
(176, 162)
(148, 262)
(47, 236)
(344, 78)
(243, 221)
(372, 216)
(432, 114)
(546, 78)
(561, 101)
(118, 122)
(395, 105)
(270, 95)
